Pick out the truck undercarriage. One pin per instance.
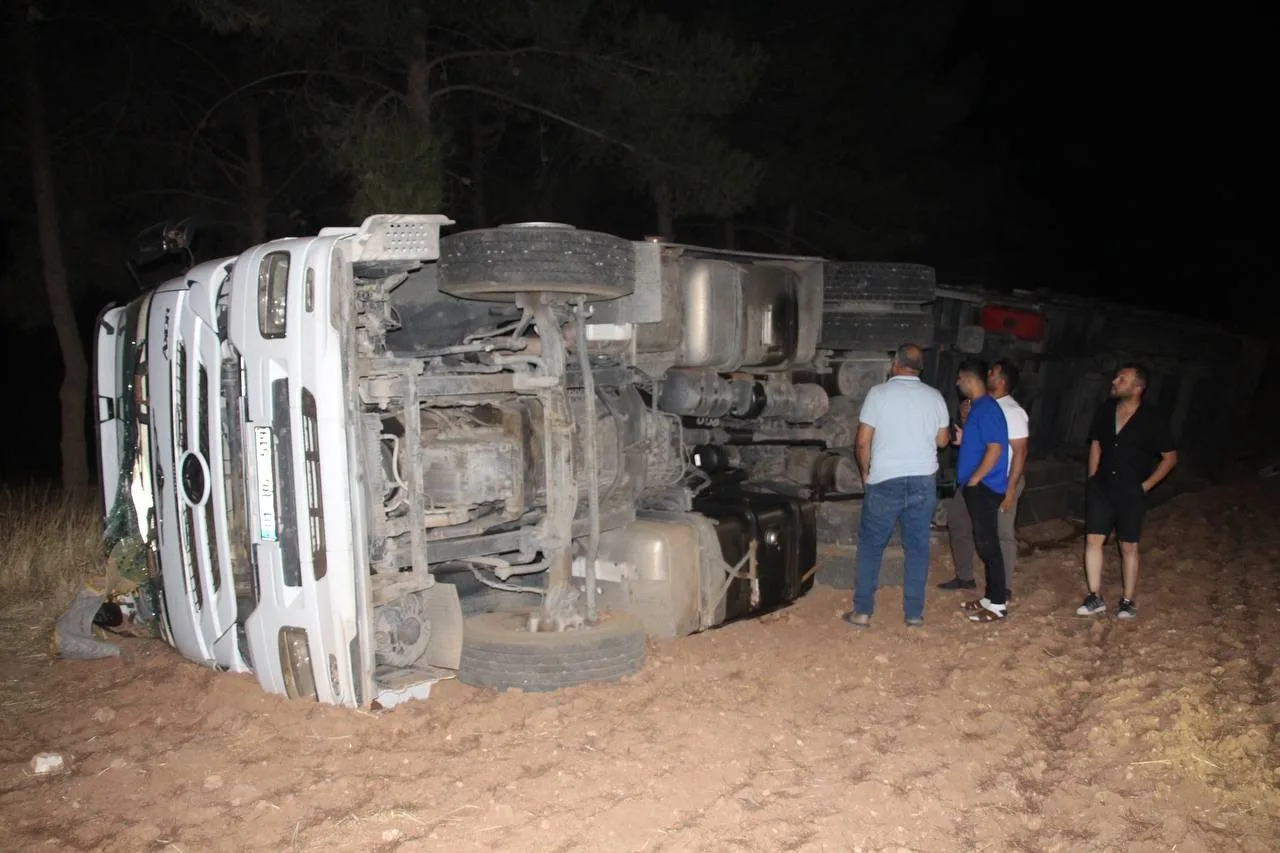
(584, 421)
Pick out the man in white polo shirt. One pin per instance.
(902, 425)
(1002, 379)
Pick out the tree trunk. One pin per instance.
(479, 214)
(255, 200)
(789, 232)
(665, 211)
(417, 71)
(75, 377)
(730, 233)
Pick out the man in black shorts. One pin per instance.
(1124, 442)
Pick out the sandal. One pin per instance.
(974, 605)
(987, 615)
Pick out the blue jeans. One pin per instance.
(910, 500)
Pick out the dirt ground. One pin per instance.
(793, 732)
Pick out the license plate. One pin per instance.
(266, 483)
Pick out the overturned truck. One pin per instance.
(356, 463)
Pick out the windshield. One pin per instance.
(131, 515)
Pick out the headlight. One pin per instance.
(273, 294)
(295, 663)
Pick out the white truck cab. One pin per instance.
(232, 449)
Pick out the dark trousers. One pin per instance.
(984, 512)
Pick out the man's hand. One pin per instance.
(988, 463)
(959, 435)
(1167, 461)
(862, 449)
(1010, 499)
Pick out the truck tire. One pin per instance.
(876, 331)
(495, 264)
(856, 281)
(494, 600)
(838, 523)
(498, 652)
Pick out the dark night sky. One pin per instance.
(1140, 139)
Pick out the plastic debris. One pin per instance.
(73, 632)
(46, 763)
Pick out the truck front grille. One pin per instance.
(315, 498)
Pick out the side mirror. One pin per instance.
(161, 240)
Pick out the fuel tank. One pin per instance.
(784, 531)
(734, 311)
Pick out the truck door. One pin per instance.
(108, 384)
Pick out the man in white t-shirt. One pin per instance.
(1002, 379)
(902, 425)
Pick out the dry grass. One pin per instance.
(49, 545)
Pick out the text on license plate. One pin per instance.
(266, 483)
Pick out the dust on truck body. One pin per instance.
(366, 460)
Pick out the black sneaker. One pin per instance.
(957, 583)
(1093, 605)
(1128, 609)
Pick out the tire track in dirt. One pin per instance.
(1053, 718)
(1081, 699)
(1246, 608)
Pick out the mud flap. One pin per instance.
(445, 612)
(73, 632)
(442, 659)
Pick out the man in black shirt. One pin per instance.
(1124, 442)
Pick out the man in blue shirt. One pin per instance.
(982, 471)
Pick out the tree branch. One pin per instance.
(301, 72)
(297, 170)
(226, 169)
(565, 120)
(546, 51)
(181, 192)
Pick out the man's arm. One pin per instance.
(1019, 446)
(1097, 430)
(989, 460)
(943, 421)
(862, 449)
(1168, 457)
(1167, 461)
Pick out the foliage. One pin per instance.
(628, 88)
(395, 159)
(858, 122)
